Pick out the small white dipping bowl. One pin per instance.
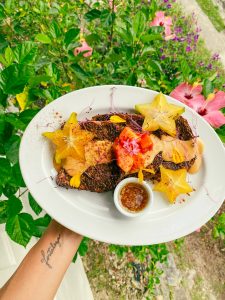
(125, 211)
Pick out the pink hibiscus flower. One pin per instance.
(208, 109)
(85, 47)
(186, 92)
(166, 22)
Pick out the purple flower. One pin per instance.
(209, 67)
(169, 6)
(161, 49)
(196, 38)
(176, 38)
(201, 64)
(189, 40)
(162, 57)
(165, 1)
(182, 39)
(188, 49)
(178, 30)
(216, 56)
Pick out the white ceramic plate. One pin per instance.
(94, 215)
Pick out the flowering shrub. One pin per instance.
(49, 48)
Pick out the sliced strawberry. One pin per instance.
(145, 143)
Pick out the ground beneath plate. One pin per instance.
(195, 270)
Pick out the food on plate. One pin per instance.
(155, 144)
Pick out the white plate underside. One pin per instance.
(94, 215)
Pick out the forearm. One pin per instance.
(41, 272)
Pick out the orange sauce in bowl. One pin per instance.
(134, 197)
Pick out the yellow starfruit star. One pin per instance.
(70, 140)
(173, 183)
(159, 114)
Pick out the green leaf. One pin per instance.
(6, 130)
(25, 53)
(83, 248)
(124, 33)
(9, 190)
(43, 38)
(41, 224)
(14, 78)
(208, 87)
(12, 149)
(6, 171)
(27, 115)
(107, 17)
(52, 71)
(55, 30)
(151, 37)
(92, 15)
(79, 72)
(20, 228)
(3, 211)
(131, 79)
(138, 25)
(2, 60)
(221, 132)
(74, 258)
(3, 98)
(36, 80)
(14, 206)
(17, 179)
(215, 233)
(71, 35)
(14, 120)
(147, 50)
(2, 12)
(9, 5)
(185, 69)
(9, 56)
(155, 66)
(34, 205)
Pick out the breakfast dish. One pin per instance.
(94, 214)
(156, 144)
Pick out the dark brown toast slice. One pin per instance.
(105, 177)
(135, 121)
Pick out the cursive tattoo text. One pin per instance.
(46, 256)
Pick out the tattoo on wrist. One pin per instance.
(46, 256)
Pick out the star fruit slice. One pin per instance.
(70, 140)
(173, 183)
(159, 114)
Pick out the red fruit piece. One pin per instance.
(124, 160)
(138, 162)
(145, 143)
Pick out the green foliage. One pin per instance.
(38, 65)
(20, 228)
(219, 227)
(34, 205)
(150, 255)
